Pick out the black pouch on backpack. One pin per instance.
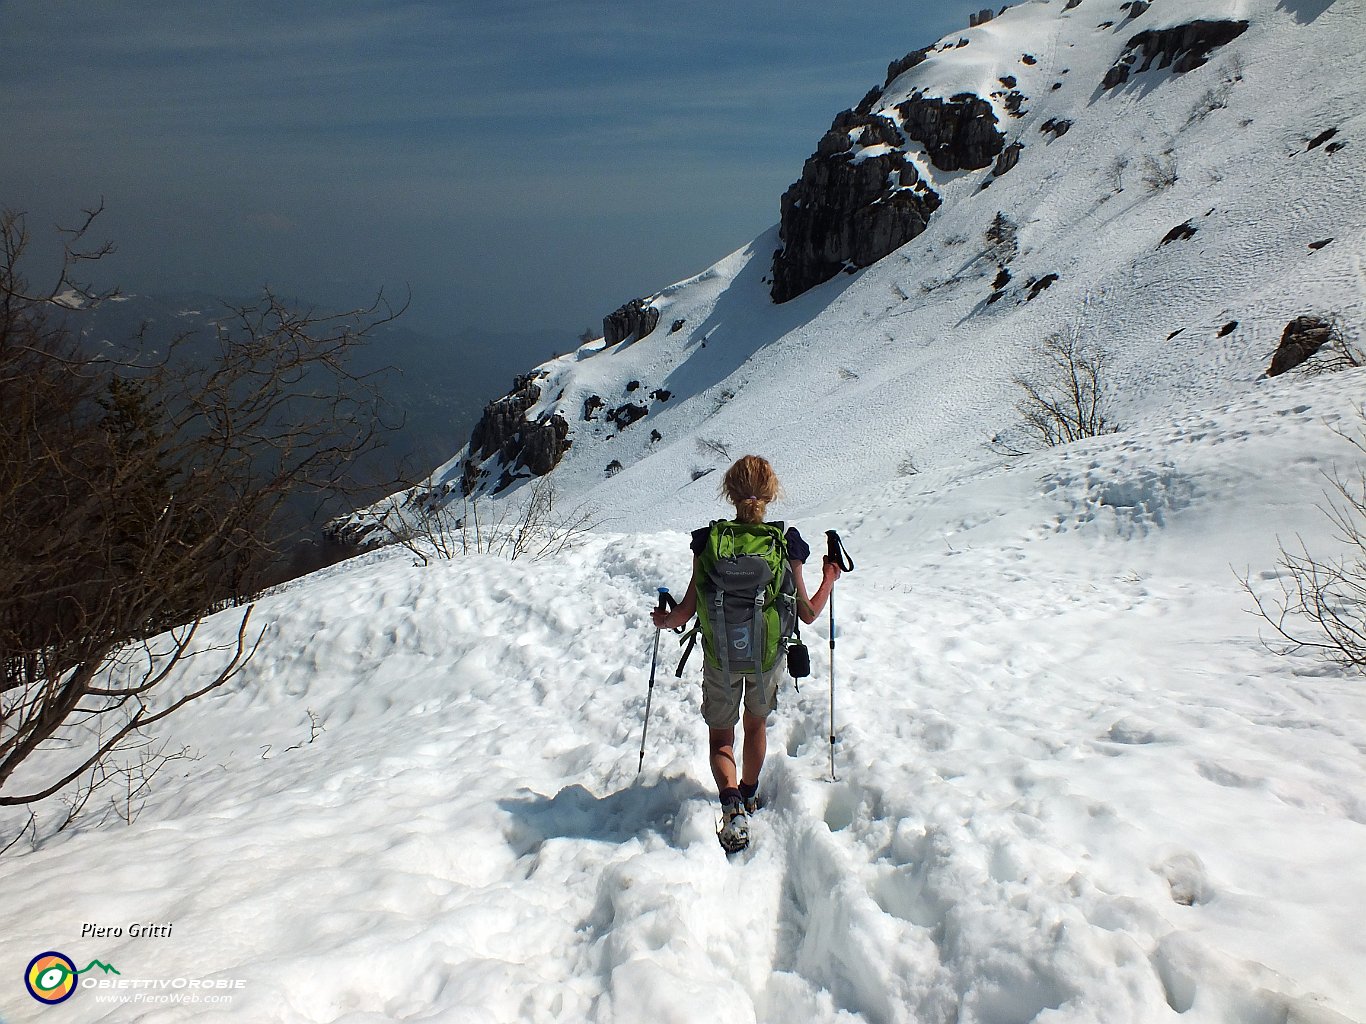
(798, 660)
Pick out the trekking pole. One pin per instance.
(834, 553)
(666, 603)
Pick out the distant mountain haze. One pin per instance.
(435, 388)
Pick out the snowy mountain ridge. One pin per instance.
(919, 349)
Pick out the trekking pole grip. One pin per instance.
(836, 553)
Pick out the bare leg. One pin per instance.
(755, 749)
(722, 744)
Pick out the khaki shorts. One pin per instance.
(721, 705)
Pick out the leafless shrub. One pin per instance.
(315, 729)
(1065, 400)
(1321, 606)
(1116, 169)
(1344, 350)
(534, 528)
(711, 446)
(1159, 172)
(125, 781)
(137, 497)
(1216, 97)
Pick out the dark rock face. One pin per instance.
(1180, 233)
(848, 210)
(544, 443)
(1321, 138)
(1010, 156)
(1041, 285)
(504, 431)
(1302, 337)
(1182, 48)
(851, 209)
(980, 18)
(625, 415)
(960, 133)
(633, 321)
(1119, 72)
(865, 105)
(897, 68)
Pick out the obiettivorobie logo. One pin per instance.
(51, 977)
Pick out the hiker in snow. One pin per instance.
(758, 566)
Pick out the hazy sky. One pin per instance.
(517, 164)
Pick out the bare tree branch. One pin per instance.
(138, 497)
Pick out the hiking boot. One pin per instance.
(750, 797)
(734, 834)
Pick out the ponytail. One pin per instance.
(750, 485)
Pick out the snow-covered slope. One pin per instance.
(910, 360)
(1073, 783)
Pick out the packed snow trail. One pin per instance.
(1073, 785)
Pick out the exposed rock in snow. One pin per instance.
(504, 431)
(1182, 48)
(1302, 337)
(632, 322)
(960, 134)
(859, 198)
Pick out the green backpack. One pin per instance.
(746, 596)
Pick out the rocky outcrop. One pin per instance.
(504, 431)
(624, 415)
(1182, 48)
(1180, 233)
(850, 208)
(858, 199)
(1057, 127)
(899, 67)
(1010, 156)
(959, 134)
(1301, 338)
(632, 321)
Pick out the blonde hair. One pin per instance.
(750, 485)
